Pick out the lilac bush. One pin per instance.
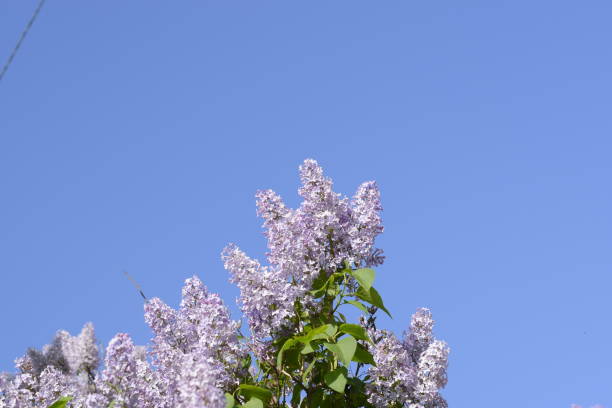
(299, 349)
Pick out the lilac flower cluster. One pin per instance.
(409, 373)
(326, 231)
(65, 366)
(200, 332)
(195, 354)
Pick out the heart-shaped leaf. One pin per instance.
(358, 305)
(336, 380)
(230, 402)
(254, 402)
(254, 392)
(365, 277)
(286, 346)
(343, 349)
(354, 330)
(363, 356)
(373, 297)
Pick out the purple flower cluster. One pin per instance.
(409, 373)
(195, 355)
(64, 367)
(200, 332)
(127, 378)
(326, 231)
(266, 298)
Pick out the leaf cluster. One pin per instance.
(323, 362)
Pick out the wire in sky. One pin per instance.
(23, 35)
(136, 285)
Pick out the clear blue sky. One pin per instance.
(133, 135)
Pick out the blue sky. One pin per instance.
(133, 136)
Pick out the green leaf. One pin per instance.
(357, 396)
(296, 395)
(230, 402)
(332, 291)
(246, 361)
(373, 297)
(291, 359)
(347, 345)
(358, 305)
(307, 349)
(317, 293)
(321, 332)
(365, 277)
(313, 400)
(343, 349)
(308, 370)
(60, 403)
(334, 400)
(287, 345)
(254, 402)
(252, 391)
(363, 356)
(320, 280)
(354, 330)
(336, 380)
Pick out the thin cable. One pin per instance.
(136, 285)
(23, 36)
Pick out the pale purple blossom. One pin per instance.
(431, 374)
(200, 330)
(127, 379)
(367, 224)
(325, 231)
(323, 234)
(69, 354)
(64, 367)
(394, 375)
(30, 390)
(411, 372)
(420, 333)
(197, 383)
(266, 297)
